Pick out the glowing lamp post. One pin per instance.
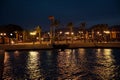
(2, 34)
(33, 35)
(66, 34)
(2, 37)
(107, 33)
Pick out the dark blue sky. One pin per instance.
(29, 13)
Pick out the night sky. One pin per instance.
(30, 13)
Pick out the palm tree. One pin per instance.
(54, 24)
(70, 26)
(82, 25)
(38, 30)
(24, 35)
(99, 29)
(83, 29)
(51, 18)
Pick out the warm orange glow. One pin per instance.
(107, 32)
(80, 31)
(60, 32)
(33, 33)
(98, 32)
(3, 34)
(67, 32)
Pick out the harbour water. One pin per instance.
(68, 64)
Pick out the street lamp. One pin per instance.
(60, 32)
(107, 34)
(2, 37)
(67, 33)
(2, 34)
(11, 36)
(33, 35)
(72, 33)
(66, 36)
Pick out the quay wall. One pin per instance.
(46, 46)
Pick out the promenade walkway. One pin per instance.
(45, 45)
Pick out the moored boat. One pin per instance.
(60, 46)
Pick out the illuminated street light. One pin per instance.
(48, 33)
(67, 33)
(60, 32)
(3, 34)
(107, 32)
(11, 34)
(80, 32)
(98, 32)
(11, 38)
(107, 35)
(72, 33)
(33, 33)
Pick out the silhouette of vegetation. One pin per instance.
(100, 27)
(70, 26)
(10, 28)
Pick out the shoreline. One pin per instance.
(8, 47)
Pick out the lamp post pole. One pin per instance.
(107, 35)
(33, 36)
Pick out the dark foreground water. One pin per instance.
(70, 64)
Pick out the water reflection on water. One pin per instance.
(70, 64)
(106, 61)
(33, 63)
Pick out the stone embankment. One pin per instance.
(46, 46)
